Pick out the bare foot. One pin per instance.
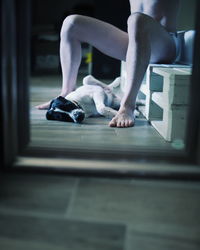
(43, 106)
(123, 119)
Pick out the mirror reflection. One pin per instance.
(116, 79)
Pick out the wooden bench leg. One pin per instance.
(173, 125)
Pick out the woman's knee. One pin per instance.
(69, 25)
(137, 22)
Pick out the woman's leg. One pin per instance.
(77, 29)
(148, 42)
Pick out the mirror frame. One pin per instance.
(15, 134)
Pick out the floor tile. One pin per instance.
(165, 209)
(137, 240)
(13, 244)
(73, 235)
(36, 193)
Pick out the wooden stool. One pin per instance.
(165, 91)
(167, 101)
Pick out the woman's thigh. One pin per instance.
(150, 31)
(107, 38)
(114, 42)
(163, 49)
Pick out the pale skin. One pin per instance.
(147, 40)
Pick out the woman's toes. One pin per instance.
(131, 123)
(126, 123)
(43, 106)
(112, 123)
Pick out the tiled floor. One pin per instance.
(46, 212)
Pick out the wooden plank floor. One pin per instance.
(93, 132)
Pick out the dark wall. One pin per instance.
(52, 12)
(48, 16)
(116, 13)
(186, 19)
